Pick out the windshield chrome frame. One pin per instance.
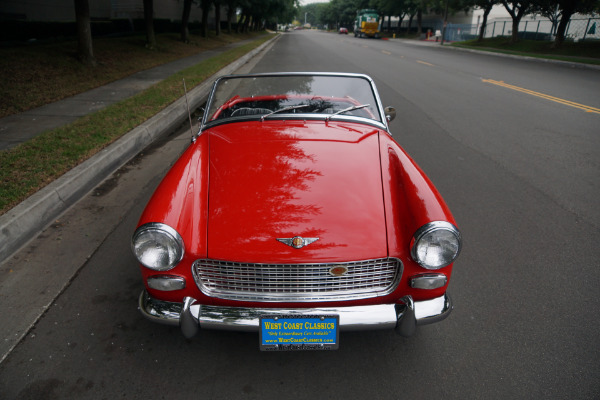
(383, 124)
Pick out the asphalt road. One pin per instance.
(518, 167)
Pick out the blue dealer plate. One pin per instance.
(299, 332)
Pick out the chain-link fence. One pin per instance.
(544, 29)
(532, 29)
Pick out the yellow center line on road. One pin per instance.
(386, 52)
(544, 96)
(425, 63)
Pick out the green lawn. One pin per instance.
(584, 52)
(30, 166)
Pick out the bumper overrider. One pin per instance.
(192, 316)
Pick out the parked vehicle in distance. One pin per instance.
(343, 30)
(295, 214)
(366, 24)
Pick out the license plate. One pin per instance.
(299, 332)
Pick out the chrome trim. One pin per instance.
(247, 319)
(303, 117)
(163, 312)
(192, 316)
(166, 283)
(297, 242)
(188, 324)
(407, 321)
(428, 281)
(434, 310)
(297, 282)
(384, 125)
(430, 227)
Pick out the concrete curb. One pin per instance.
(23, 222)
(425, 43)
(571, 64)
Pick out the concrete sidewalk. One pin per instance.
(19, 128)
(26, 220)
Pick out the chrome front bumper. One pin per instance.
(192, 317)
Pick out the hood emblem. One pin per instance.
(338, 270)
(297, 242)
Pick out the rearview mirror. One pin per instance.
(390, 113)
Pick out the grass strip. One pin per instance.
(40, 73)
(586, 52)
(34, 164)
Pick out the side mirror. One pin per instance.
(390, 113)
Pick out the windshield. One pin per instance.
(275, 96)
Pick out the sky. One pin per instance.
(305, 2)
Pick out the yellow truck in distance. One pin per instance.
(366, 24)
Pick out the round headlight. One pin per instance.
(157, 246)
(436, 245)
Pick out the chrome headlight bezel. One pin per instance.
(440, 234)
(157, 246)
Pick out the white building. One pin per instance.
(464, 26)
(64, 10)
(499, 23)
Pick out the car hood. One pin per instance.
(281, 179)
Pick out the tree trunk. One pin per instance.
(185, 19)
(205, 12)
(217, 17)
(515, 30)
(149, 19)
(516, 13)
(567, 13)
(256, 24)
(419, 22)
(486, 12)
(230, 14)
(239, 23)
(246, 24)
(85, 51)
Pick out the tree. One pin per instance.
(548, 9)
(411, 9)
(258, 14)
(517, 9)
(206, 4)
(391, 8)
(149, 19)
(185, 19)
(567, 9)
(217, 17)
(239, 26)
(486, 6)
(340, 12)
(85, 52)
(231, 9)
(420, 17)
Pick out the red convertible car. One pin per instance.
(295, 214)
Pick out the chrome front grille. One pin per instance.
(297, 282)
